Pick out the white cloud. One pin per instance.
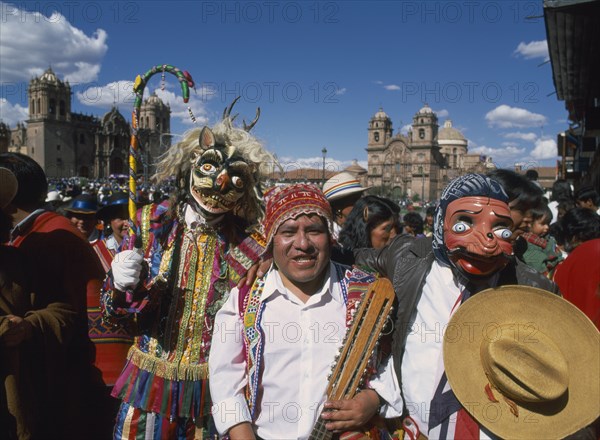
(533, 49)
(179, 109)
(391, 87)
(331, 164)
(443, 113)
(30, 42)
(529, 137)
(11, 114)
(505, 116)
(378, 82)
(341, 91)
(545, 148)
(121, 93)
(405, 128)
(506, 155)
(114, 93)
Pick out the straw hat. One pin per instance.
(341, 186)
(8, 187)
(524, 363)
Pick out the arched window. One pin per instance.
(52, 107)
(62, 109)
(421, 133)
(376, 136)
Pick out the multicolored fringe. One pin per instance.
(135, 424)
(149, 390)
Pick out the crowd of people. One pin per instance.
(222, 314)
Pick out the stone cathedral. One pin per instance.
(421, 162)
(69, 144)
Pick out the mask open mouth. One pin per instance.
(477, 264)
(212, 202)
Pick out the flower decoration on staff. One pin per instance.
(186, 81)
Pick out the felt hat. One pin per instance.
(342, 185)
(83, 204)
(115, 203)
(524, 363)
(287, 202)
(8, 187)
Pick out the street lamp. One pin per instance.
(324, 152)
(422, 184)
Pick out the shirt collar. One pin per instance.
(274, 285)
(193, 219)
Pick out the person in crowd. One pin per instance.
(563, 207)
(342, 190)
(523, 195)
(64, 272)
(114, 215)
(82, 213)
(561, 192)
(533, 176)
(18, 412)
(252, 387)
(428, 225)
(413, 224)
(471, 250)
(370, 224)
(194, 249)
(542, 253)
(579, 275)
(587, 197)
(112, 341)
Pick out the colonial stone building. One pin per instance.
(69, 144)
(420, 163)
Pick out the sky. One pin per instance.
(318, 70)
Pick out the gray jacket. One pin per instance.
(407, 261)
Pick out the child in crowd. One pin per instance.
(542, 252)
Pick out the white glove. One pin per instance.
(126, 269)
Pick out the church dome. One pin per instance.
(154, 100)
(426, 110)
(447, 132)
(356, 169)
(49, 76)
(381, 114)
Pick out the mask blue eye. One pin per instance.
(503, 233)
(460, 227)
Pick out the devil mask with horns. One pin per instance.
(219, 169)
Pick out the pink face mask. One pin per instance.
(477, 233)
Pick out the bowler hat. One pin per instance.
(83, 204)
(115, 203)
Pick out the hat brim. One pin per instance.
(80, 211)
(525, 310)
(346, 194)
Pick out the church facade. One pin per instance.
(70, 144)
(420, 164)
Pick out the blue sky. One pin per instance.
(318, 70)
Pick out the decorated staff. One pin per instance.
(186, 81)
(195, 247)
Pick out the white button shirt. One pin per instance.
(300, 343)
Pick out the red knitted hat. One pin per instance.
(286, 202)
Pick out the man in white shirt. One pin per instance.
(274, 344)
